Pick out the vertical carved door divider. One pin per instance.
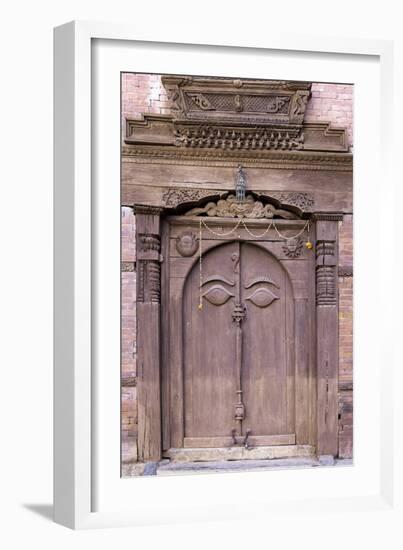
(238, 316)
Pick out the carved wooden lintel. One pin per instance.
(297, 201)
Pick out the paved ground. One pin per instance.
(165, 467)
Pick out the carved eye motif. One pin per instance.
(217, 295)
(262, 297)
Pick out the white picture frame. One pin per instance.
(88, 490)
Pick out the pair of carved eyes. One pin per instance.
(218, 295)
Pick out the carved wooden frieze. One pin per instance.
(250, 101)
(230, 207)
(326, 273)
(325, 285)
(303, 201)
(174, 197)
(148, 268)
(236, 139)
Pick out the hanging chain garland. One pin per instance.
(271, 225)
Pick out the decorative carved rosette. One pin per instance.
(292, 248)
(187, 243)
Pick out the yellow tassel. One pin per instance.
(200, 306)
(309, 245)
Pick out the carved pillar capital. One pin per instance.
(328, 216)
(148, 254)
(147, 209)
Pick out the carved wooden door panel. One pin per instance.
(210, 352)
(267, 348)
(238, 377)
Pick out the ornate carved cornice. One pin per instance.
(248, 101)
(274, 159)
(165, 131)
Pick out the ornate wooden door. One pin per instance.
(240, 366)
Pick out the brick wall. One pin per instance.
(346, 338)
(128, 338)
(332, 103)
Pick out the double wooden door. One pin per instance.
(236, 358)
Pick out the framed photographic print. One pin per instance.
(211, 357)
(237, 272)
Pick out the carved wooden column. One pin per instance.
(327, 332)
(148, 331)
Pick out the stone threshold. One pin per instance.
(166, 467)
(222, 454)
